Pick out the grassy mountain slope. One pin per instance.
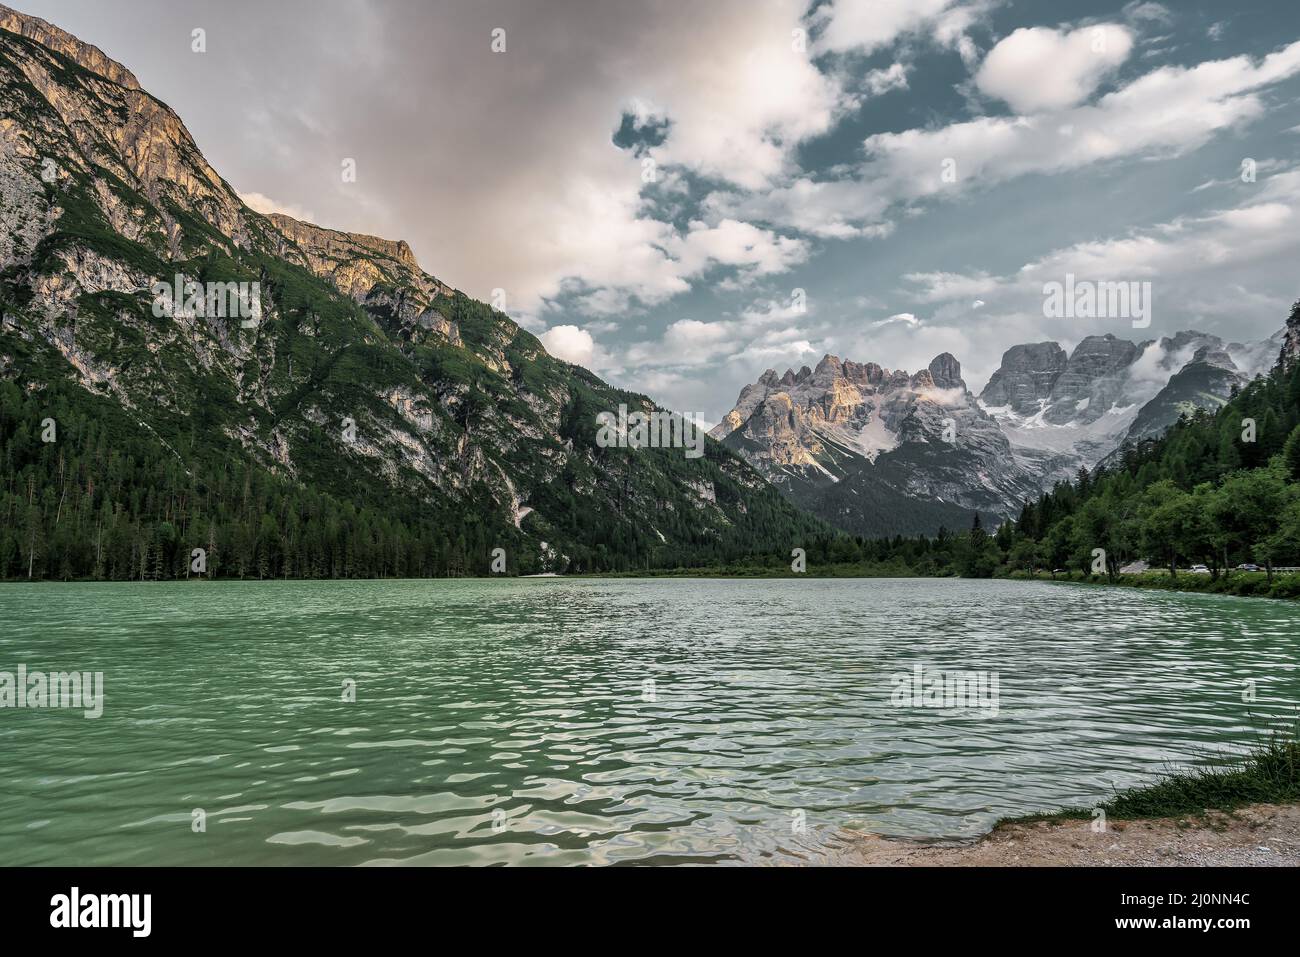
(375, 421)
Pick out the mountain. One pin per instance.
(878, 452)
(368, 418)
(1026, 378)
(1206, 382)
(1061, 416)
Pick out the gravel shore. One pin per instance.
(1262, 835)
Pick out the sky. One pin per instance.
(680, 195)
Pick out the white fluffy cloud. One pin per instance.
(1037, 68)
(744, 98)
(1165, 112)
(570, 344)
(854, 25)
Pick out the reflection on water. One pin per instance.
(575, 722)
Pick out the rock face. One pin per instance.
(1109, 391)
(1290, 353)
(876, 451)
(1092, 380)
(1025, 379)
(51, 37)
(364, 378)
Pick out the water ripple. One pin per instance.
(578, 722)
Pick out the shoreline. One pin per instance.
(1258, 835)
(1289, 582)
(1244, 813)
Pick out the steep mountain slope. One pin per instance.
(877, 452)
(410, 412)
(1206, 382)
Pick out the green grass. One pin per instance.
(1240, 583)
(1268, 774)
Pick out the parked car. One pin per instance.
(1199, 570)
(1247, 567)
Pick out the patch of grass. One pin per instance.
(1268, 774)
(1285, 585)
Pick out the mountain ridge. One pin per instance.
(876, 451)
(1043, 415)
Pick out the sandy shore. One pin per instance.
(1263, 835)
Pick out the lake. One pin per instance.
(570, 721)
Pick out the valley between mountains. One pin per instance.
(377, 421)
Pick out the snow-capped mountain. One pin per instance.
(880, 452)
(876, 451)
(1061, 414)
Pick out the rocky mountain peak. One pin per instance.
(333, 243)
(830, 366)
(1188, 337)
(872, 449)
(877, 450)
(1215, 355)
(945, 370)
(1026, 377)
(85, 55)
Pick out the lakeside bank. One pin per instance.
(1237, 583)
(1244, 813)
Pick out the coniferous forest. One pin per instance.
(87, 493)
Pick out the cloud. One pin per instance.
(943, 286)
(1163, 113)
(570, 344)
(883, 80)
(266, 205)
(764, 328)
(866, 27)
(1140, 10)
(1038, 69)
(906, 318)
(1199, 267)
(738, 96)
(642, 259)
(733, 243)
(500, 170)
